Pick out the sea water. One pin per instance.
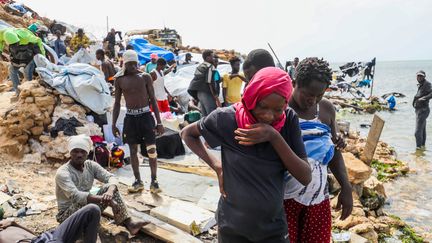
(408, 197)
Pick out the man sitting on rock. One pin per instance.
(74, 180)
(83, 223)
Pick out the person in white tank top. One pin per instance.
(161, 93)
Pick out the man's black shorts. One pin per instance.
(139, 129)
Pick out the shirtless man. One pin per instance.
(107, 67)
(139, 123)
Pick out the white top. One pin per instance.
(159, 86)
(317, 190)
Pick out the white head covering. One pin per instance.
(130, 56)
(81, 142)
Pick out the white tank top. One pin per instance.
(159, 87)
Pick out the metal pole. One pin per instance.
(373, 79)
(107, 23)
(280, 64)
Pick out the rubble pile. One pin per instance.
(26, 126)
(357, 105)
(28, 118)
(368, 218)
(385, 163)
(222, 54)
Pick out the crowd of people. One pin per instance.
(278, 136)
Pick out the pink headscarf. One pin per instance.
(265, 82)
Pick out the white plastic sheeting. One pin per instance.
(178, 83)
(84, 83)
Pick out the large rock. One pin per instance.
(39, 92)
(36, 131)
(66, 99)
(350, 222)
(44, 101)
(372, 236)
(358, 172)
(11, 147)
(362, 228)
(374, 186)
(34, 158)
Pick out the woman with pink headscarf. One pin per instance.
(260, 141)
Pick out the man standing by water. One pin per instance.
(421, 106)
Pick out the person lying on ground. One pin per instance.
(160, 91)
(256, 60)
(307, 208)
(139, 125)
(232, 83)
(83, 224)
(107, 67)
(74, 180)
(261, 141)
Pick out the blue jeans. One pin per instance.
(28, 74)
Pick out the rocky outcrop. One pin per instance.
(358, 172)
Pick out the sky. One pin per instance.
(337, 30)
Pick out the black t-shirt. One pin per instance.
(253, 177)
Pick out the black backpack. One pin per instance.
(22, 54)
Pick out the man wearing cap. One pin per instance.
(188, 59)
(139, 125)
(23, 46)
(421, 106)
(74, 180)
(152, 64)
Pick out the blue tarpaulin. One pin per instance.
(145, 49)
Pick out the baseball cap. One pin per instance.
(421, 73)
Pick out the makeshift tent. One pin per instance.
(84, 83)
(145, 49)
(178, 83)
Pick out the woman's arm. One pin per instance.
(337, 164)
(191, 135)
(259, 133)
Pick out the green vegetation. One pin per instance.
(387, 171)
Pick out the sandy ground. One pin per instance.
(37, 181)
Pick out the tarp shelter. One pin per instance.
(84, 83)
(145, 49)
(178, 83)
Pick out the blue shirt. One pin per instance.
(60, 47)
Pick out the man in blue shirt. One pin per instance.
(59, 45)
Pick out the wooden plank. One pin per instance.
(186, 216)
(159, 229)
(154, 200)
(210, 199)
(373, 139)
